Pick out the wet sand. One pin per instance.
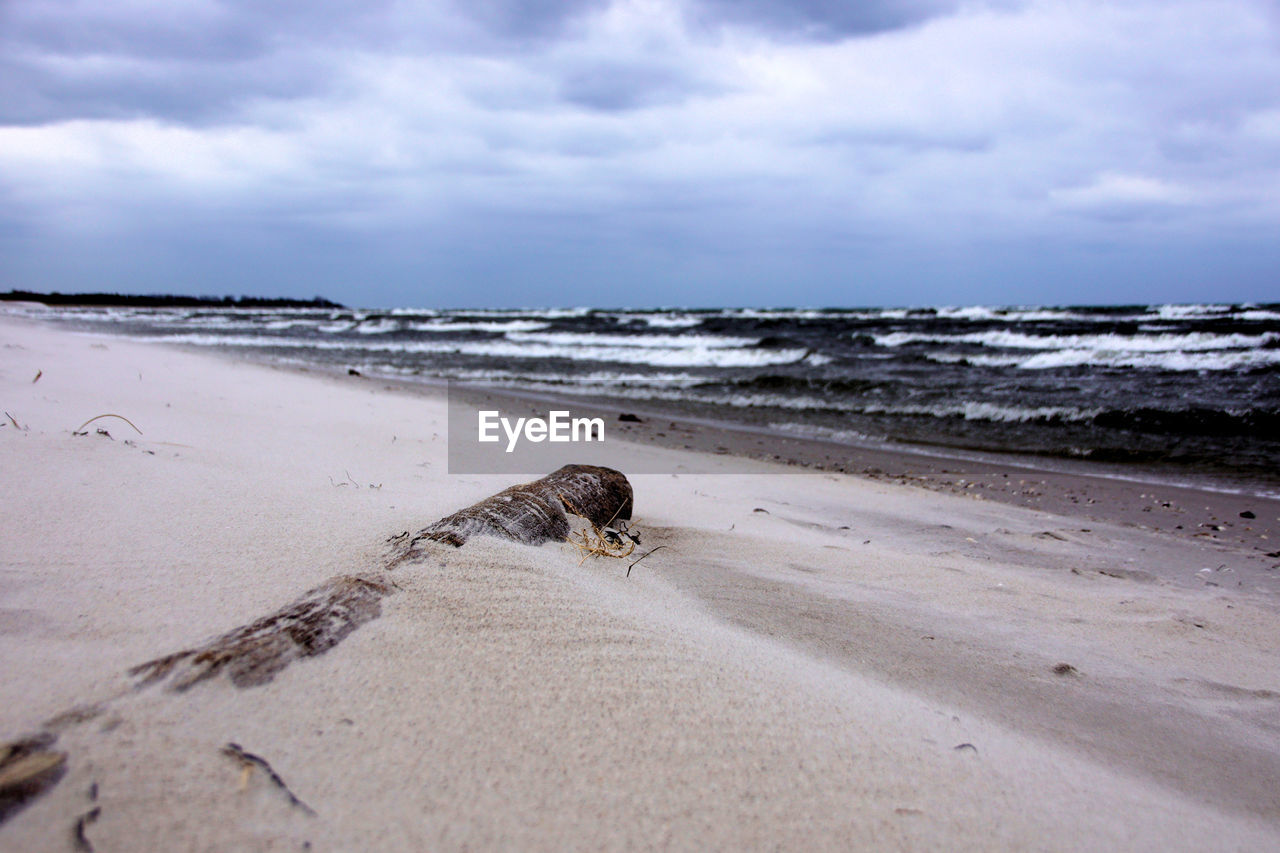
(1242, 529)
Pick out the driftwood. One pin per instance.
(533, 513)
(28, 768)
(254, 653)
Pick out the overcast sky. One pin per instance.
(644, 152)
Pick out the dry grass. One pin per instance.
(594, 540)
(80, 429)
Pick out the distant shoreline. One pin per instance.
(165, 300)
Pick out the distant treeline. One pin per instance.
(165, 301)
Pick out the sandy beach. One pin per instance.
(813, 660)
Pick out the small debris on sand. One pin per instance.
(249, 761)
(28, 768)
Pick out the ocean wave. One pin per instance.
(782, 313)
(499, 326)
(975, 410)
(828, 386)
(824, 433)
(116, 315)
(589, 382)
(522, 313)
(337, 327)
(1163, 342)
(282, 325)
(1015, 314)
(378, 326)
(593, 339)
(692, 356)
(1171, 361)
(1190, 312)
(413, 312)
(661, 320)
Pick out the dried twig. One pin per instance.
(248, 760)
(13, 421)
(641, 557)
(82, 840)
(80, 428)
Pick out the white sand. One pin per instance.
(769, 679)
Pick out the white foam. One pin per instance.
(378, 327)
(780, 313)
(1163, 342)
(984, 411)
(840, 436)
(661, 320)
(480, 326)
(690, 356)
(597, 380)
(595, 339)
(280, 325)
(413, 312)
(1174, 361)
(1015, 314)
(337, 326)
(1189, 312)
(523, 313)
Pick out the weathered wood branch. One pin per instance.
(321, 618)
(533, 513)
(252, 654)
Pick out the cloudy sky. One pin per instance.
(644, 152)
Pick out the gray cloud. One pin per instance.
(623, 85)
(697, 143)
(60, 28)
(200, 64)
(823, 19)
(39, 91)
(63, 60)
(526, 18)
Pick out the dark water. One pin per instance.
(1168, 388)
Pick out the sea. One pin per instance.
(1174, 391)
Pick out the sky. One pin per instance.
(490, 153)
